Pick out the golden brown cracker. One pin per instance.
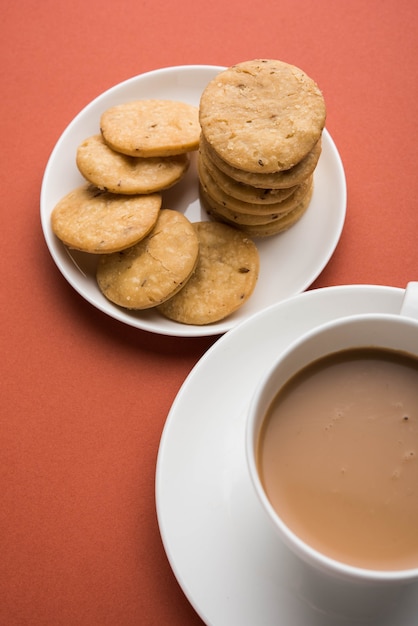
(262, 116)
(230, 203)
(224, 278)
(239, 190)
(119, 173)
(150, 128)
(99, 222)
(148, 273)
(281, 224)
(276, 180)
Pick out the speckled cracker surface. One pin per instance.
(120, 173)
(148, 128)
(275, 180)
(241, 191)
(263, 115)
(148, 273)
(218, 211)
(281, 224)
(225, 277)
(98, 222)
(240, 206)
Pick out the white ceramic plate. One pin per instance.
(225, 555)
(289, 262)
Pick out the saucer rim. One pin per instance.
(359, 298)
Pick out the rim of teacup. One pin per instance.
(264, 393)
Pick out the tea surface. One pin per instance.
(338, 457)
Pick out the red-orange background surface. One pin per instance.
(84, 398)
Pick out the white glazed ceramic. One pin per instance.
(289, 262)
(382, 330)
(227, 557)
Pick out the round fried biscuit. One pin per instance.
(232, 204)
(153, 270)
(262, 116)
(276, 180)
(241, 191)
(276, 226)
(219, 212)
(150, 128)
(224, 278)
(119, 173)
(281, 224)
(99, 222)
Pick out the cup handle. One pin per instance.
(409, 306)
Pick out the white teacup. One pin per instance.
(387, 331)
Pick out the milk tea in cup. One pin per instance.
(332, 447)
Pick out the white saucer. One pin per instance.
(226, 557)
(289, 262)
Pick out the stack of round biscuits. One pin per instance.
(261, 123)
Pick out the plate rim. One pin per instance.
(168, 327)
